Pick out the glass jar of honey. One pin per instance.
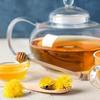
(13, 70)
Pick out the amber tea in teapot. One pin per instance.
(71, 52)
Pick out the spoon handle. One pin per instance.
(54, 67)
(79, 75)
(32, 87)
(22, 57)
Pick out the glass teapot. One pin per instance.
(67, 40)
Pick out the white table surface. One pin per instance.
(81, 90)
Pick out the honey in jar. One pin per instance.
(10, 71)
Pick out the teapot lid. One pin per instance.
(69, 14)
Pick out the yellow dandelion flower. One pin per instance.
(46, 83)
(13, 89)
(62, 82)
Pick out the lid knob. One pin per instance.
(68, 2)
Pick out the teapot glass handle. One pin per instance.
(11, 26)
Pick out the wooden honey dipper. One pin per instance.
(22, 57)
